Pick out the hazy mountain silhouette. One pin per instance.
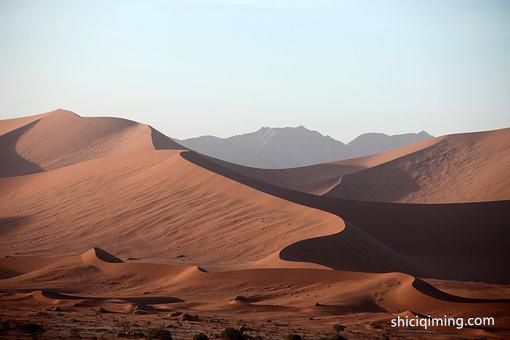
(295, 146)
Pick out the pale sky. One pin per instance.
(226, 67)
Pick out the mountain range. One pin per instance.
(288, 147)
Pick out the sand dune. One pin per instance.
(166, 208)
(206, 235)
(257, 292)
(394, 292)
(161, 206)
(467, 167)
(60, 138)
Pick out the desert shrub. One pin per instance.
(293, 337)
(32, 329)
(230, 333)
(200, 336)
(189, 317)
(338, 327)
(159, 334)
(102, 310)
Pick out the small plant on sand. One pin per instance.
(102, 310)
(293, 337)
(159, 334)
(33, 329)
(200, 336)
(189, 317)
(230, 333)
(338, 328)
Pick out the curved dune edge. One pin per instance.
(341, 248)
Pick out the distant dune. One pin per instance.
(470, 167)
(60, 138)
(467, 167)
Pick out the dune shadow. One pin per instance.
(348, 250)
(461, 241)
(428, 289)
(162, 142)
(359, 185)
(11, 163)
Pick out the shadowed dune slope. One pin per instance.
(60, 138)
(469, 167)
(464, 241)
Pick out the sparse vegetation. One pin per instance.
(230, 333)
(32, 329)
(159, 334)
(189, 317)
(102, 310)
(241, 298)
(180, 256)
(200, 336)
(338, 328)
